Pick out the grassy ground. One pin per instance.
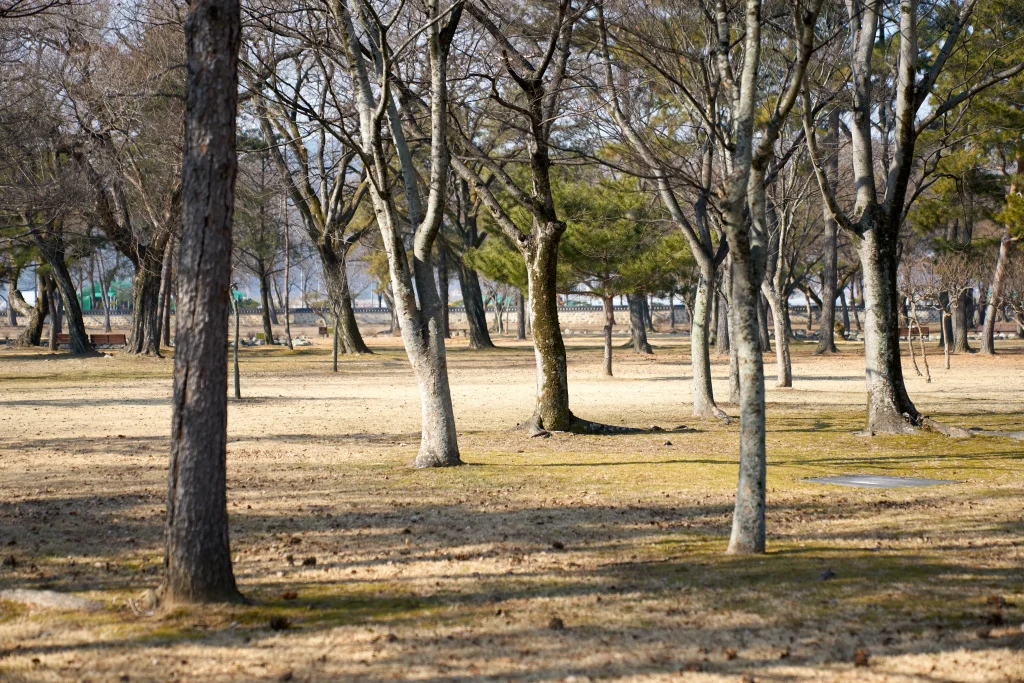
(459, 575)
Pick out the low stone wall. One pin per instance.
(573, 318)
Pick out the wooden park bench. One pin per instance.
(108, 340)
(63, 340)
(324, 332)
(922, 332)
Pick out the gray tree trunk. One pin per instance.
(995, 296)
(521, 316)
(198, 555)
(637, 324)
(700, 350)
(473, 302)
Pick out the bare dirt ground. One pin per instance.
(460, 575)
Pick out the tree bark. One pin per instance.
(521, 316)
(637, 324)
(443, 289)
(722, 334)
(473, 302)
(886, 392)
(995, 296)
(762, 324)
(234, 348)
(961, 323)
(608, 305)
(287, 276)
(783, 361)
(700, 350)
(198, 555)
(827, 318)
(552, 411)
(12, 287)
(36, 314)
(265, 303)
(335, 267)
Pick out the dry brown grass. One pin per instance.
(456, 575)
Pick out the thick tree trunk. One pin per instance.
(473, 301)
(946, 324)
(886, 392)
(198, 554)
(56, 310)
(700, 350)
(637, 324)
(336, 279)
(995, 296)
(748, 522)
(36, 314)
(552, 411)
(144, 334)
(608, 305)
(66, 286)
(961, 323)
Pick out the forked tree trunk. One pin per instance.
(473, 302)
(145, 324)
(637, 324)
(79, 340)
(995, 297)
(36, 314)
(198, 554)
(887, 396)
(608, 305)
(336, 279)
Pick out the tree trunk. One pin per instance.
(338, 292)
(234, 348)
(637, 324)
(700, 349)
(287, 277)
(144, 334)
(995, 296)
(66, 286)
(886, 392)
(552, 411)
(473, 302)
(783, 362)
(946, 326)
(722, 334)
(36, 314)
(168, 301)
(648, 302)
(762, 324)
(608, 304)
(748, 522)
(443, 289)
(846, 310)
(961, 323)
(198, 555)
(521, 317)
(335, 342)
(268, 330)
(12, 287)
(164, 296)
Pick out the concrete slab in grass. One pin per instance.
(877, 481)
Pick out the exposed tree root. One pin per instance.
(577, 425)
